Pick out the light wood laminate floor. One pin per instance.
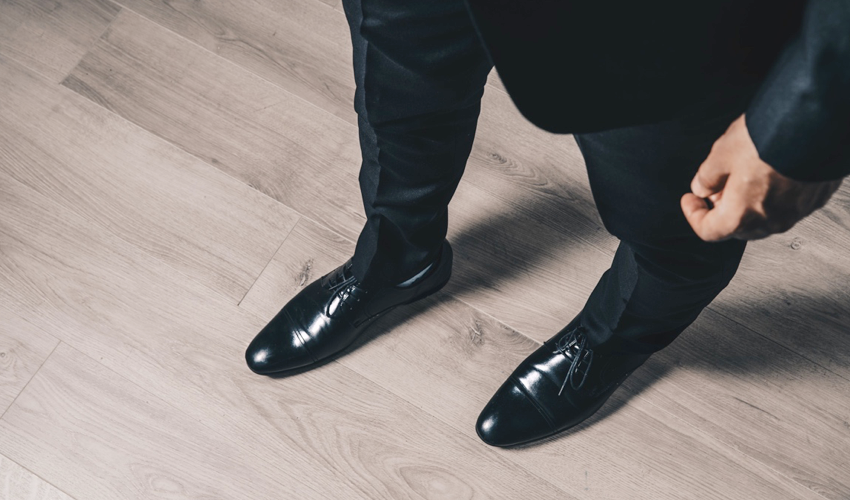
(173, 171)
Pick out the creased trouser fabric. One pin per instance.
(420, 71)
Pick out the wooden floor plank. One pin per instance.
(99, 436)
(203, 222)
(376, 442)
(489, 240)
(510, 158)
(448, 359)
(545, 173)
(292, 43)
(511, 265)
(760, 398)
(23, 349)
(335, 4)
(310, 252)
(792, 287)
(50, 36)
(509, 153)
(495, 81)
(17, 483)
(184, 345)
(251, 129)
(108, 299)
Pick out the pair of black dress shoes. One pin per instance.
(558, 386)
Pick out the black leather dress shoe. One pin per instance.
(558, 386)
(330, 313)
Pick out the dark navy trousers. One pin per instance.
(420, 71)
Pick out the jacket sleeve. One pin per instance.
(799, 119)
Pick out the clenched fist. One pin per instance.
(748, 198)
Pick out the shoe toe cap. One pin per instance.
(277, 348)
(511, 418)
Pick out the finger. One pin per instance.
(709, 225)
(711, 177)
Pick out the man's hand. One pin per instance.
(750, 199)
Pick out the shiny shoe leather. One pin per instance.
(329, 314)
(558, 386)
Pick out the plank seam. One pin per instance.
(774, 341)
(274, 254)
(113, 233)
(59, 341)
(301, 99)
(729, 447)
(39, 477)
(93, 41)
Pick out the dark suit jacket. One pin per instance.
(575, 66)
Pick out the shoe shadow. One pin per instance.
(745, 337)
(494, 249)
(724, 350)
(497, 249)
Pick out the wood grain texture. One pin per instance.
(495, 81)
(251, 129)
(507, 264)
(538, 175)
(50, 36)
(17, 483)
(300, 45)
(760, 398)
(147, 94)
(792, 287)
(23, 349)
(512, 265)
(335, 4)
(100, 436)
(310, 252)
(511, 157)
(447, 358)
(162, 402)
(544, 173)
(110, 300)
(136, 185)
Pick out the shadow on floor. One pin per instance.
(499, 248)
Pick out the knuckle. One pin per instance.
(750, 180)
(716, 146)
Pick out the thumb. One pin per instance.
(711, 177)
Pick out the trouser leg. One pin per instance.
(662, 275)
(420, 71)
